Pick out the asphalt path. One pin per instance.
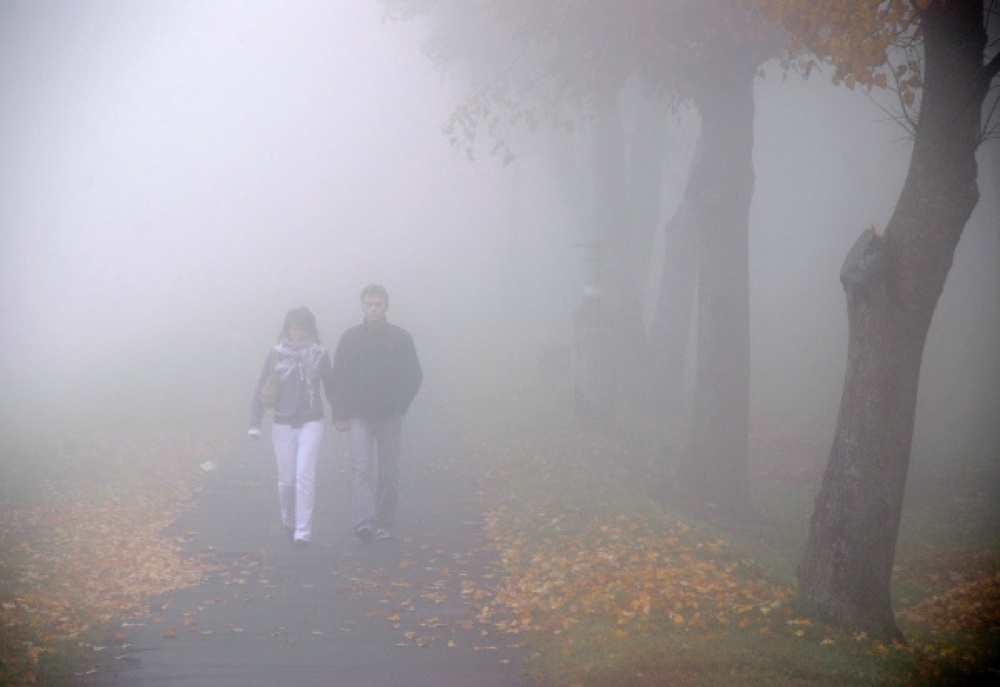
(404, 611)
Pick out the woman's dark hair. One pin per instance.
(300, 317)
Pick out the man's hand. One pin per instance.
(342, 425)
(254, 433)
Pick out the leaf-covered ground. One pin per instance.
(83, 536)
(626, 589)
(607, 584)
(571, 547)
(965, 591)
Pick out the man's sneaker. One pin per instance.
(382, 533)
(301, 543)
(366, 534)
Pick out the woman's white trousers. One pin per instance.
(296, 450)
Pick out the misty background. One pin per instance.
(175, 176)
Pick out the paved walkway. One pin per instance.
(341, 613)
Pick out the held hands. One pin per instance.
(342, 425)
(254, 433)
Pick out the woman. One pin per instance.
(299, 364)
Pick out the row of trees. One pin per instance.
(530, 63)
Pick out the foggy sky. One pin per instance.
(175, 175)
(162, 159)
(160, 155)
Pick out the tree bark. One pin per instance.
(892, 283)
(714, 468)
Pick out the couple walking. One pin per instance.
(374, 377)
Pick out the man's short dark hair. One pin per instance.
(376, 290)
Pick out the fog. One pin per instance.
(830, 163)
(175, 176)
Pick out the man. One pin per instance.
(376, 375)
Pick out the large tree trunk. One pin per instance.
(715, 468)
(892, 285)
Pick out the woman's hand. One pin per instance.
(254, 433)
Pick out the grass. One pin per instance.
(666, 656)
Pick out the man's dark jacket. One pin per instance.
(376, 372)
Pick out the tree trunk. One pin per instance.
(715, 469)
(892, 284)
(671, 326)
(646, 139)
(615, 233)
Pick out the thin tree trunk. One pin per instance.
(646, 123)
(715, 467)
(670, 329)
(615, 232)
(646, 136)
(892, 284)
